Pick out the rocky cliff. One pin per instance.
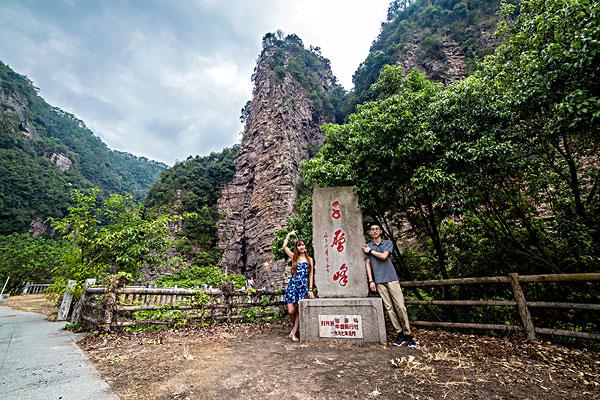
(15, 115)
(448, 65)
(282, 130)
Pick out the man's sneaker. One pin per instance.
(399, 340)
(408, 340)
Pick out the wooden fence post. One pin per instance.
(4, 287)
(76, 316)
(25, 289)
(111, 302)
(65, 306)
(522, 306)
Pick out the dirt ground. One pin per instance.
(257, 361)
(32, 303)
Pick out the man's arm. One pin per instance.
(372, 285)
(382, 255)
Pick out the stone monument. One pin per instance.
(343, 310)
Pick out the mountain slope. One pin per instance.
(446, 39)
(45, 151)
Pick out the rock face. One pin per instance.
(451, 68)
(62, 161)
(282, 130)
(37, 228)
(15, 112)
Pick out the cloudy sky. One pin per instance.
(167, 79)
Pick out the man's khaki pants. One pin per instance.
(393, 301)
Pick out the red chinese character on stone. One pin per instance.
(326, 236)
(335, 213)
(339, 239)
(341, 275)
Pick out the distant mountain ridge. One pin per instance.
(45, 152)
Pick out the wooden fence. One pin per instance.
(35, 288)
(519, 301)
(135, 306)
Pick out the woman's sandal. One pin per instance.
(294, 338)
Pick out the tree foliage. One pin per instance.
(111, 236)
(25, 259)
(191, 189)
(426, 24)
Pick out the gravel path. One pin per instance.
(40, 361)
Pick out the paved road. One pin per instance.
(40, 361)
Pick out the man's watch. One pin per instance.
(370, 251)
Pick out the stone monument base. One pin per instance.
(351, 318)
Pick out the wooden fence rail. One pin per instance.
(35, 288)
(120, 307)
(520, 302)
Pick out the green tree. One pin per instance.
(389, 152)
(25, 259)
(111, 236)
(497, 173)
(509, 153)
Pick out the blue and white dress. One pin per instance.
(298, 286)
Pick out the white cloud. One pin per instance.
(168, 80)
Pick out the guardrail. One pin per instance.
(520, 302)
(35, 288)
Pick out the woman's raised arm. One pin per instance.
(287, 250)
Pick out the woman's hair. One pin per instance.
(297, 255)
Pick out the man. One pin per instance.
(383, 279)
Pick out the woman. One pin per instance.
(301, 282)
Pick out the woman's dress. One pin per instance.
(298, 286)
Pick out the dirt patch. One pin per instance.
(33, 303)
(258, 362)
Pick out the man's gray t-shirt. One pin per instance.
(383, 271)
